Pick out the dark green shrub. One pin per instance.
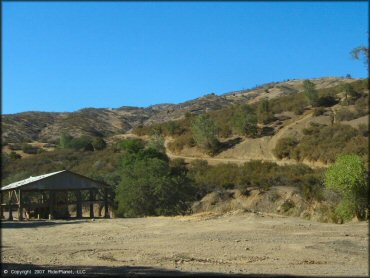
(13, 155)
(319, 111)
(157, 142)
(204, 132)
(223, 120)
(285, 147)
(348, 176)
(81, 143)
(364, 130)
(295, 103)
(15, 147)
(324, 143)
(357, 145)
(362, 106)
(314, 128)
(131, 145)
(299, 110)
(29, 149)
(264, 113)
(310, 92)
(245, 120)
(178, 166)
(184, 140)
(326, 101)
(350, 94)
(345, 115)
(65, 140)
(148, 187)
(312, 187)
(287, 205)
(99, 143)
(172, 128)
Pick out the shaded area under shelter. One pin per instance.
(56, 195)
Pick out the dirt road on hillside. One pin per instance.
(252, 149)
(245, 243)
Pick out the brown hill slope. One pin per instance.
(47, 126)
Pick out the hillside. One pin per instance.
(288, 144)
(48, 126)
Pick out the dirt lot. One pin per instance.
(247, 243)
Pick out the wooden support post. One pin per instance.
(100, 208)
(10, 216)
(78, 204)
(20, 205)
(112, 215)
(1, 207)
(106, 204)
(92, 198)
(43, 202)
(51, 204)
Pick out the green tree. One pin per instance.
(131, 145)
(13, 155)
(198, 172)
(349, 92)
(173, 128)
(264, 113)
(361, 51)
(81, 143)
(245, 120)
(148, 186)
(310, 92)
(99, 143)
(5, 159)
(157, 142)
(29, 149)
(204, 133)
(285, 148)
(65, 140)
(348, 177)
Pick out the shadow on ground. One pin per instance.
(36, 223)
(228, 144)
(10, 269)
(267, 131)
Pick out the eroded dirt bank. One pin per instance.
(245, 243)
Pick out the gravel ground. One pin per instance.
(246, 243)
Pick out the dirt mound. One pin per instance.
(283, 200)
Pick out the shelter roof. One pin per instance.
(60, 180)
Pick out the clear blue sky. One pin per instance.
(66, 56)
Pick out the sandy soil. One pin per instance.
(245, 243)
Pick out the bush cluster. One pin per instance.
(84, 143)
(204, 132)
(29, 149)
(150, 185)
(253, 174)
(360, 109)
(184, 140)
(92, 164)
(349, 178)
(324, 143)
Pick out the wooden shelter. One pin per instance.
(51, 195)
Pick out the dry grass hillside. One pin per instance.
(262, 148)
(47, 126)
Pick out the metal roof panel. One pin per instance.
(29, 180)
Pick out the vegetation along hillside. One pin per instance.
(297, 147)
